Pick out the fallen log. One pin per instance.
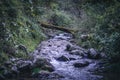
(50, 26)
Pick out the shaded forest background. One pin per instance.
(20, 32)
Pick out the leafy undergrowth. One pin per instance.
(97, 19)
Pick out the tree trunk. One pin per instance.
(50, 26)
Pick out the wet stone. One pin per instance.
(103, 55)
(2, 68)
(2, 77)
(24, 67)
(54, 58)
(93, 54)
(8, 74)
(63, 58)
(81, 64)
(72, 58)
(77, 52)
(49, 68)
(43, 64)
(40, 74)
(44, 75)
(49, 45)
(14, 69)
(8, 63)
(68, 47)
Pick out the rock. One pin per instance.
(72, 58)
(21, 79)
(72, 41)
(2, 68)
(93, 54)
(65, 36)
(69, 47)
(49, 68)
(14, 69)
(8, 74)
(8, 63)
(55, 76)
(44, 64)
(84, 37)
(39, 62)
(49, 45)
(2, 77)
(40, 74)
(9, 50)
(63, 58)
(50, 35)
(45, 75)
(23, 48)
(24, 66)
(77, 52)
(103, 55)
(81, 64)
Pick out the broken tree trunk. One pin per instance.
(50, 26)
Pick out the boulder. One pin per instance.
(93, 54)
(63, 58)
(8, 74)
(81, 64)
(71, 58)
(68, 47)
(71, 47)
(24, 66)
(2, 77)
(77, 52)
(2, 68)
(23, 48)
(43, 64)
(63, 36)
(103, 55)
(39, 62)
(40, 74)
(8, 63)
(45, 75)
(49, 68)
(14, 70)
(84, 37)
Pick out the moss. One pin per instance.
(36, 70)
(17, 27)
(3, 57)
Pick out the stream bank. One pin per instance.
(56, 59)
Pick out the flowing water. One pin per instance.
(70, 62)
(54, 48)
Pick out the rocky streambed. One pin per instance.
(70, 61)
(55, 59)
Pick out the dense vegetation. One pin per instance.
(19, 24)
(106, 28)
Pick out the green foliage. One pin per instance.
(18, 26)
(107, 19)
(3, 57)
(36, 70)
(106, 30)
(98, 18)
(61, 18)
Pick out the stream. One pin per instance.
(70, 61)
(57, 58)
